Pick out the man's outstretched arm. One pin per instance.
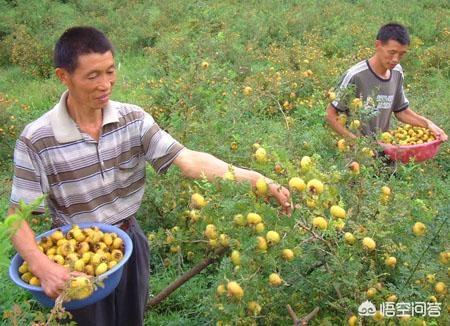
(195, 164)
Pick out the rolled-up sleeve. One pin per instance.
(160, 148)
(342, 94)
(28, 177)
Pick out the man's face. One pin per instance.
(390, 53)
(90, 85)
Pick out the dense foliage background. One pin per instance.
(187, 63)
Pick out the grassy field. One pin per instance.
(188, 63)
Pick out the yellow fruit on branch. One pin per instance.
(320, 223)
(261, 187)
(354, 167)
(198, 201)
(385, 190)
(371, 292)
(444, 257)
(221, 289)
(224, 240)
(247, 90)
(352, 320)
(275, 279)
(229, 175)
(261, 155)
(419, 229)
(392, 298)
(239, 220)
(235, 290)
(431, 278)
(440, 288)
(261, 244)
(273, 237)
(287, 254)
(235, 257)
(210, 231)
(342, 145)
(378, 316)
(253, 308)
(355, 124)
(315, 186)
(339, 225)
(349, 238)
(297, 184)
(342, 119)
(278, 168)
(306, 163)
(331, 95)
(356, 103)
(369, 244)
(259, 227)
(337, 211)
(390, 261)
(253, 218)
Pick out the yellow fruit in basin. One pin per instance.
(80, 288)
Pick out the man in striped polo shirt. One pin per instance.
(88, 154)
(379, 81)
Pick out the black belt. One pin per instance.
(124, 224)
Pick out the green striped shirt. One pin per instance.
(84, 179)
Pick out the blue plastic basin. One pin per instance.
(112, 277)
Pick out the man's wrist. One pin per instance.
(37, 262)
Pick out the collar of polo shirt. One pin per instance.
(65, 129)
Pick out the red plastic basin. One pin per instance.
(418, 153)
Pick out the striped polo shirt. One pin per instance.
(380, 96)
(87, 180)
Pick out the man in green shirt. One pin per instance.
(379, 80)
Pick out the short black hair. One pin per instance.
(393, 31)
(77, 41)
